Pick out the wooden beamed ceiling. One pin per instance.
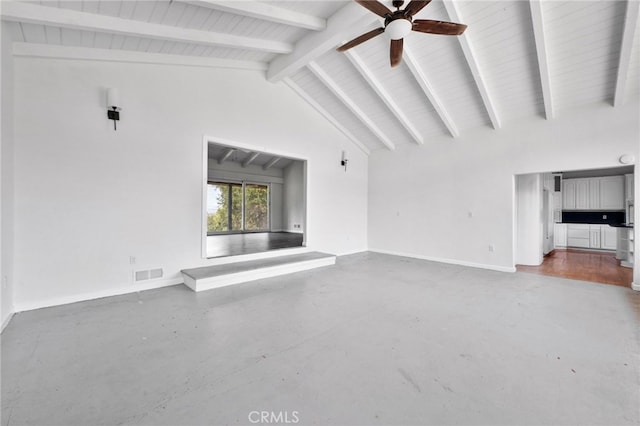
(517, 59)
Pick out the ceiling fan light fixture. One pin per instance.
(398, 28)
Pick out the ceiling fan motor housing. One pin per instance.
(397, 3)
(398, 25)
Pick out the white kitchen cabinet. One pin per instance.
(594, 194)
(601, 193)
(612, 193)
(594, 236)
(582, 194)
(628, 187)
(569, 194)
(560, 235)
(578, 235)
(608, 237)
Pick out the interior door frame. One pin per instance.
(255, 148)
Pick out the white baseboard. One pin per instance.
(449, 261)
(6, 321)
(293, 231)
(83, 297)
(635, 286)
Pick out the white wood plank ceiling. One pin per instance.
(517, 59)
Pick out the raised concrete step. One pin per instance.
(208, 277)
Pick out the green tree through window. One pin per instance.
(225, 205)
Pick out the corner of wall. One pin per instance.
(6, 177)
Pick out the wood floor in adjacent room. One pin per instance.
(599, 267)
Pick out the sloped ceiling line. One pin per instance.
(429, 91)
(474, 66)
(543, 59)
(626, 49)
(328, 116)
(331, 84)
(382, 93)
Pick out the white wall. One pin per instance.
(420, 197)
(6, 187)
(529, 238)
(88, 197)
(293, 197)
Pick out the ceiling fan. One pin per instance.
(400, 23)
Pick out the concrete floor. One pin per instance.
(375, 339)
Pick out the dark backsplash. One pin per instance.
(593, 217)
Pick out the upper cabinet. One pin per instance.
(612, 193)
(628, 187)
(600, 193)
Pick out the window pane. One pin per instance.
(256, 207)
(217, 207)
(236, 206)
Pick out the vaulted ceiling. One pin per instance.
(518, 59)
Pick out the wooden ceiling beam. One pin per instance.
(385, 96)
(349, 103)
(347, 22)
(226, 155)
(265, 12)
(543, 59)
(626, 49)
(429, 91)
(72, 19)
(305, 96)
(251, 159)
(472, 60)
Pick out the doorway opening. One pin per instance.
(576, 224)
(254, 201)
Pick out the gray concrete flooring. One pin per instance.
(374, 340)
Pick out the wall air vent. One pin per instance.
(147, 274)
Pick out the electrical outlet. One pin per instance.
(5, 281)
(132, 260)
(470, 214)
(491, 248)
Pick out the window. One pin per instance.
(237, 207)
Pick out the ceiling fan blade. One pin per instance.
(396, 52)
(375, 7)
(360, 39)
(415, 6)
(438, 27)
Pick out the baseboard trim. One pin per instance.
(444, 260)
(635, 286)
(83, 297)
(6, 321)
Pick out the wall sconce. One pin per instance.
(344, 160)
(113, 102)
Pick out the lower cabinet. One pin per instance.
(578, 235)
(594, 236)
(560, 235)
(608, 237)
(585, 236)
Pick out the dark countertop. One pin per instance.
(614, 225)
